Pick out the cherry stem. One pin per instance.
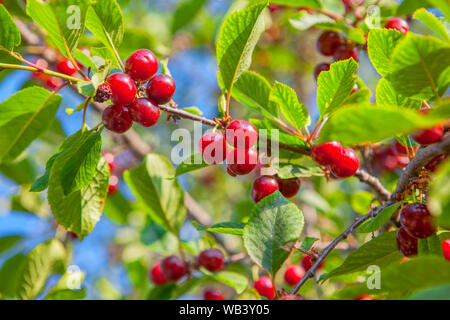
(426, 104)
(312, 135)
(34, 68)
(86, 104)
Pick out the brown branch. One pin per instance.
(375, 184)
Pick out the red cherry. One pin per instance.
(289, 187)
(292, 297)
(161, 88)
(417, 220)
(173, 268)
(346, 165)
(66, 67)
(321, 67)
(109, 158)
(326, 153)
(398, 24)
(264, 287)
(141, 65)
(364, 297)
(213, 148)
(435, 162)
(262, 187)
(113, 186)
(275, 7)
(117, 118)
(211, 259)
(405, 243)
(157, 276)
(446, 249)
(144, 112)
(231, 173)
(123, 88)
(42, 63)
(428, 136)
(52, 82)
(345, 52)
(242, 161)
(401, 150)
(328, 42)
(307, 264)
(241, 134)
(293, 275)
(213, 294)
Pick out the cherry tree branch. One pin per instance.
(375, 184)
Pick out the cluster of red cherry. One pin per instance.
(64, 66)
(341, 162)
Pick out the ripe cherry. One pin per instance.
(428, 136)
(417, 220)
(141, 65)
(113, 186)
(144, 112)
(161, 88)
(123, 88)
(264, 287)
(241, 134)
(289, 187)
(321, 67)
(157, 276)
(446, 249)
(347, 164)
(213, 148)
(326, 153)
(66, 67)
(307, 264)
(211, 259)
(328, 42)
(401, 150)
(173, 268)
(52, 82)
(263, 186)
(406, 243)
(242, 161)
(117, 118)
(293, 275)
(345, 52)
(109, 158)
(213, 294)
(398, 24)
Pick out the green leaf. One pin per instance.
(380, 220)
(10, 35)
(441, 292)
(235, 280)
(420, 67)
(431, 22)
(8, 242)
(274, 222)
(430, 246)
(308, 242)
(194, 162)
(186, 11)
(193, 110)
(249, 294)
(442, 5)
(362, 95)
(10, 275)
(304, 21)
(64, 21)
(153, 185)
(237, 38)
(439, 195)
(380, 45)
(21, 171)
(235, 228)
(335, 85)
(313, 4)
(294, 111)
(157, 239)
(380, 251)
(25, 116)
(386, 95)
(407, 7)
(118, 208)
(67, 294)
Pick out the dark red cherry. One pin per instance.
(241, 134)
(289, 187)
(161, 88)
(141, 65)
(401, 150)
(446, 249)
(213, 148)
(406, 243)
(157, 276)
(307, 263)
(242, 161)
(293, 275)
(211, 259)
(66, 66)
(173, 268)
(328, 42)
(398, 24)
(326, 153)
(345, 52)
(428, 136)
(264, 287)
(417, 220)
(321, 67)
(263, 186)
(213, 294)
(347, 164)
(117, 118)
(123, 89)
(144, 112)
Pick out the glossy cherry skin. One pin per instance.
(211, 259)
(66, 66)
(157, 276)
(398, 24)
(401, 150)
(293, 275)
(328, 42)
(173, 268)
(264, 287)
(241, 134)
(213, 294)
(307, 264)
(144, 112)
(428, 136)
(161, 88)
(123, 89)
(321, 67)
(213, 148)
(326, 153)
(446, 249)
(141, 65)
(345, 52)
(417, 220)
(117, 118)
(406, 243)
(347, 164)
(289, 187)
(242, 161)
(262, 187)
